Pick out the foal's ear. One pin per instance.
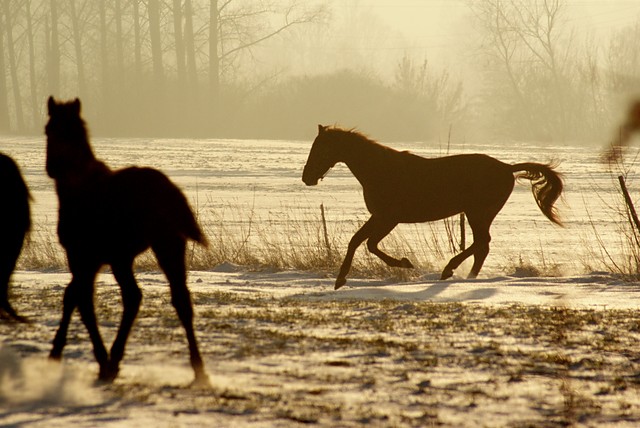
(76, 105)
(51, 104)
(321, 129)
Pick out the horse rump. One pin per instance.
(15, 223)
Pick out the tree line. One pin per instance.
(180, 67)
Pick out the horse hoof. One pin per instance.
(108, 374)
(405, 263)
(340, 282)
(201, 382)
(446, 274)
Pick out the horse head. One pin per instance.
(322, 157)
(67, 142)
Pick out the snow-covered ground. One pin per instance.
(285, 349)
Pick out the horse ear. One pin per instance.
(76, 105)
(321, 129)
(51, 105)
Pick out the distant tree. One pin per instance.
(10, 17)
(53, 51)
(4, 102)
(153, 9)
(527, 55)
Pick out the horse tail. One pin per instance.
(546, 185)
(188, 223)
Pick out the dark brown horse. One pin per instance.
(109, 217)
(15, 222)
(400, 187)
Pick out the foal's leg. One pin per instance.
(170, 257)
(363, 233)
(79, 293)
(131, 297)
(376, 235)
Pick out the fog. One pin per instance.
(419, 70)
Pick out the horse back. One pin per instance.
(146, 200)
(417, 189)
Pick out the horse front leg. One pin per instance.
(69, 304)
(131, 298)
(357, 239)
(79, 293)
(456, 261)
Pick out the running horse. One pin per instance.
(15, 223)
(108, 217)
(400, 187)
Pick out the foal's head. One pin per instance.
(322, 157)
(67, 142)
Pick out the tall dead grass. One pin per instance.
(292, 237)
(624, 260)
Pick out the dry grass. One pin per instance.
(291, 238)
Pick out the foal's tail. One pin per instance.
(546, 185)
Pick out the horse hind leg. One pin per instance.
(7, 264)
(171, 257)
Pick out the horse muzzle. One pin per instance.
(308, 178)
(310, 181)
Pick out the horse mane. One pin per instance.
(354, 135)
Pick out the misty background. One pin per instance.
(421, 70)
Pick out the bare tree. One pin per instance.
(4, 105)
(153, 9)
(9, 18)
(525, 40)
(53, 51)
(32, 67)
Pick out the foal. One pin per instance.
(109, 217)
(15, 222)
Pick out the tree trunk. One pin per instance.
(192, 71)
(35, 115)
(77, 43)
(119, 40)
(156, 42)
(177, 29)
(53, 52)
(214, 60)
(13, 67)
(4, 104)
(137, 44)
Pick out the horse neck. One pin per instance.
(365, 158)
(79, 169)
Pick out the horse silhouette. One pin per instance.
(627, 128)
(400, 187)
(15, 223)
(108, 217)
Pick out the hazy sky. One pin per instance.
(436, 25)
(376, 33)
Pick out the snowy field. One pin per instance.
(283, 348)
